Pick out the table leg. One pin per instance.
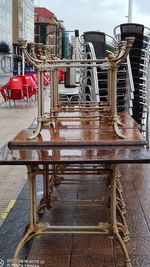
(50, 181)
(46, 199)
(114, 226)
(31, 229)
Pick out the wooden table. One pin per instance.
(78, 132)
(79, 143)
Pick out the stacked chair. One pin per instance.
(132, 75)
(98, 41)
(93, 84)
(89, 49)
(138, 59)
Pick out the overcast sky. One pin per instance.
(102, 15)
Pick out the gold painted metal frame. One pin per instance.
(111, 63)
(112, 229)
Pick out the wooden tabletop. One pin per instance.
(64, 155)
(82, 133)
(79, 141)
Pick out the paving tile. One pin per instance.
(51, 244)
(92, 245)
(59, 216)
(92, 261)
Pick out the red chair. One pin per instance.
(46, 79)
(30, 86)
(15, 87)
(35, 78)
(47, 75)
(60, 75)
(5, 92)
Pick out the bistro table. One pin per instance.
(80, 144)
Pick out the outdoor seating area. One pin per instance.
(76, 152)
(24, 87)
(82, 143)
(21, 87)
(75, 133)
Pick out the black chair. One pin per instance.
(136, 30)
(98, 40)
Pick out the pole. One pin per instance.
(24, 36)
(130, 11)
(23, 63)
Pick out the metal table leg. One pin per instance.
(114, 227)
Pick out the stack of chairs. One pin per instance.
(94, 82)
(139, 58)
(99, 44)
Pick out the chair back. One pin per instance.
(30, 81)
(15, 87)
(60, 75)
(133, 29)
(30, 85)
(46, 79)
(98, 39)
(15, 83)
(35, 77)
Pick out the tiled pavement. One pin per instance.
(13, 178)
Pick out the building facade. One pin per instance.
(66, 46)
(48, 30)
(74, 45)
(5, 38)
(23, 28)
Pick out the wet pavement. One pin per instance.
(12, 121)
